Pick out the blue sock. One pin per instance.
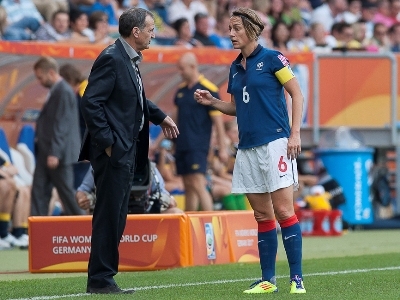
(267, 248)
(292, 241)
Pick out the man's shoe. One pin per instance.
(111, 289)
(261, 287)
(297, 286)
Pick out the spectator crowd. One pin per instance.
(290, 25)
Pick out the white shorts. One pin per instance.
(264, 169)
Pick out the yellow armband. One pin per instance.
(284, 74)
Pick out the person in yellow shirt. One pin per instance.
(318, 199)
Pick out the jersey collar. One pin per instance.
(254, 53)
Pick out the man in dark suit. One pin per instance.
(117, 116)
(57, 142)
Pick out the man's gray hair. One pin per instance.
(133, 17)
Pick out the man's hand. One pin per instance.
(108, 151)
(169, 128)
(203, 97)
(82, 200)
(52, 162)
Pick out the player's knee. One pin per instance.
(262, 215)
(282, 213)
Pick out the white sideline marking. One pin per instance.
(213, 282)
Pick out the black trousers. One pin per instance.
(113, 186)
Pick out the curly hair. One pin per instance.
(252, 23)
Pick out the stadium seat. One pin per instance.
(154, 131)
(13, 156)
(19, 163)
(4, 145)
(25, 145)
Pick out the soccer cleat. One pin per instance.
(261, 287)
(297, 286)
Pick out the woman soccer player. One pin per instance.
(265, 167)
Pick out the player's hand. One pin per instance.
(203, 97)
(52, 162)
(169, 128)
(294, 146)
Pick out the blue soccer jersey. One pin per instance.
(261, 108)
(194, 120)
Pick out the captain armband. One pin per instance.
(284, 74)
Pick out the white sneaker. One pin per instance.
(4, 244)
(24, 237)
(13, 241)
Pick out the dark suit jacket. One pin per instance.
(112, 111)
(57, 127)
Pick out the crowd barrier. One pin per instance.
(149, 242)
(162, 241)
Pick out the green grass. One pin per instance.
(359, 265)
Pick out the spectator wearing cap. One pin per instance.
(329, 13)
(201, 29)
(186, 9)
